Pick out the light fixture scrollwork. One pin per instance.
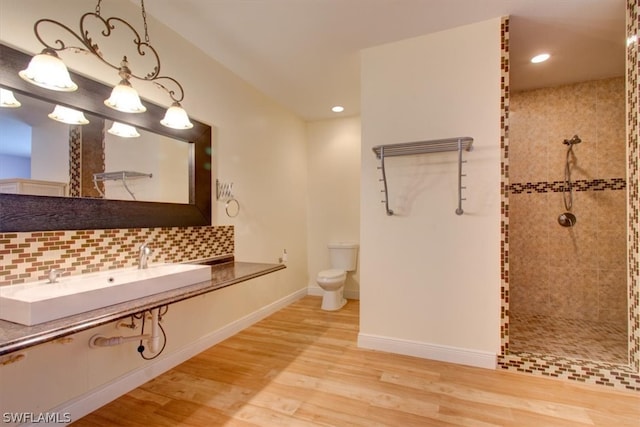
(49, 71)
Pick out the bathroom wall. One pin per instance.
(333, 160)
(259, 146)
(430, 279)
(578, 272)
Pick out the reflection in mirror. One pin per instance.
(157, 168)
(27, 212)
(33, 156)
(40, 156)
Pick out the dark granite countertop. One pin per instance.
(14, 337)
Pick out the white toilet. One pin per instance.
(343, 259)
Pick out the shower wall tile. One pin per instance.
(612, 297)
(530, 249)
(568, 261)
(573, 248)
(541, 119)
(609, 208)
(611, 154)
(612, 249)
(573, 293)
(527, 135)
(529, 214)
(531, 293)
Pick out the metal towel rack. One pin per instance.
(422, 147)
(118, 176)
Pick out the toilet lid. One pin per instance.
(331, 274)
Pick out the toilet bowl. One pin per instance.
(332, 283)
(343, 259)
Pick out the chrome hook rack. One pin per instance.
(224, 193)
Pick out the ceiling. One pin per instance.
(304, 54)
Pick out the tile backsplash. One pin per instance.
(28, 256)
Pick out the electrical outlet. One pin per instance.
(284, 258)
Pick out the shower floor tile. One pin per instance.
(576, 339)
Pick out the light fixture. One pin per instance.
(337, 109)
(540, 58)
(47, 69)
(123, 131)
(68, 115)
(124, 97)
(176, 118)
(7, 100)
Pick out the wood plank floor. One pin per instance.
(301, 367)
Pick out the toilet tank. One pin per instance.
(344, 255)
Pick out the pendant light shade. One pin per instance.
(48, 71)
(123, 131)
(7, 100)
(68, 115)
(125, 98)
(176, 118)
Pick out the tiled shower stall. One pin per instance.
(550, 273)
(569, 284)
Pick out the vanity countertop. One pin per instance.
(14, 337)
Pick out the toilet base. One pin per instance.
(333, 300)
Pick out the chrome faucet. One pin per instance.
(143, 255)
(53, 275)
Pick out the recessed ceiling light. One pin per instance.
(337, 109)
(540, 58)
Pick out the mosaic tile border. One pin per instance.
(620, 377)
(610, 375)
(29, 256)
(504, 193)
(633, 142)
(75, 156)
(559, 186)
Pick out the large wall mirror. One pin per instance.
(160, 179)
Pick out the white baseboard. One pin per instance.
(96, 398)
(461, 356)
(348, 293)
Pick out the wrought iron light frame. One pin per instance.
(87, 44)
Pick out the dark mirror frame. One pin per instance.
(44, 213)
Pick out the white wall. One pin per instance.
(334, 194)
(430, 279)
(259, 146)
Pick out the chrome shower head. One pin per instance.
(575, 140)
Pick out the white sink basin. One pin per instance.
(38, 302)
